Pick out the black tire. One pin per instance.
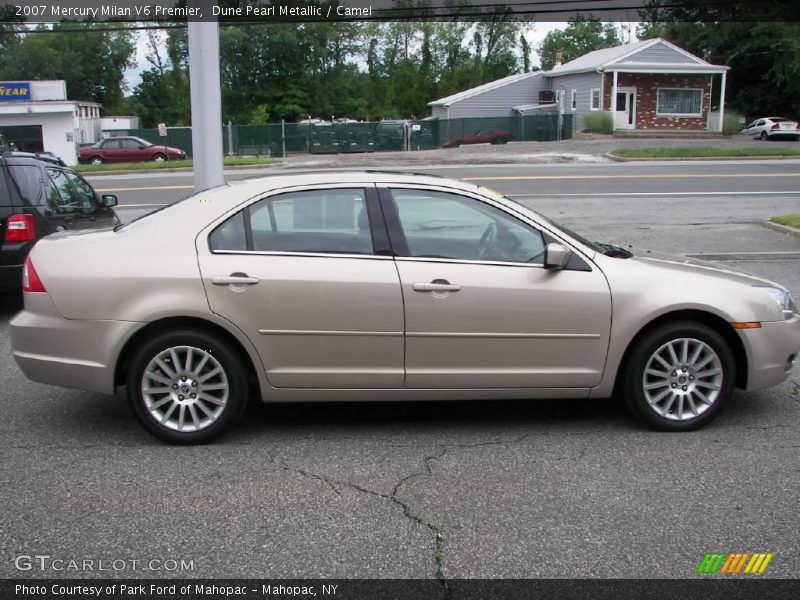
(764, 136)
(96, 160)
(633, 377)
(160, 157)
(219, 350)
(499, 140)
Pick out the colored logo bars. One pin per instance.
(734, 563)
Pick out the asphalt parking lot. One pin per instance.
(522, 489)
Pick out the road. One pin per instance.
(450, 489)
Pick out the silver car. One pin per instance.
(385, 286)
(773, 128)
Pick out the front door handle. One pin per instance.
(437, 285)
(235, 279)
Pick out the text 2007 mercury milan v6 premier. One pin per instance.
(385, 286)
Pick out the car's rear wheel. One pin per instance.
(186, 386)
(96, 160)
(679, 376)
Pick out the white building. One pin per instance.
(119, 123)
(36, 116)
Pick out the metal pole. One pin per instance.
(206, 100)
(722, 103)
(230, 138)
(283, 138)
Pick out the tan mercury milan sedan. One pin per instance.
(386, 286)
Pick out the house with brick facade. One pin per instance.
(650, 85)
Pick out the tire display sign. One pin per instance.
(15, 91)
(162, 129)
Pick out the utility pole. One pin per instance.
(206, 99)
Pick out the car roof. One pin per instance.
(17, 157)
(204, 207)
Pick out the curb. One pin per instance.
(175, 170)
(616, 158)
(793, 231)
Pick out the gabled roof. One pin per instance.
(498, 83)
(624, 56)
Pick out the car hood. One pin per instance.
(687, 264)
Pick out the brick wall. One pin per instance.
(646, 86)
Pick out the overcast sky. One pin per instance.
(535, 37)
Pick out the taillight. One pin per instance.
(776, 126)
(797, 126)
(20, 228)
(30, 278)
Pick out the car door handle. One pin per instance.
(235, 280)
(436, 286)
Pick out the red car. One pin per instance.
(484, 136)
(127, 149)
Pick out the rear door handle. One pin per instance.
(235, 280)
(437, 285)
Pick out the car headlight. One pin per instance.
(784, 300)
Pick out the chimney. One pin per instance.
(559, 58)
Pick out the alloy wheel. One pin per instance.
(185, 388)
(682, 379)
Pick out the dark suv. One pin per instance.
(39, 195)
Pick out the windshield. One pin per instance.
(594, 246)
(144, 143)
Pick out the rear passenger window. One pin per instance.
(318, 221)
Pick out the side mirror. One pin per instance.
(556, 256)
(109, 200)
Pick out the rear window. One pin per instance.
(5, 199)
(28, 180)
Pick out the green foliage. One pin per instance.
(731, 124)
(700, 152)
(598, 122)
(91, 62)
(792, 220)
(580, 36)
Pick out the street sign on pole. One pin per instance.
(162, 129)
(206, 99)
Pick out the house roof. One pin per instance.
(449, 100)
(623, 57)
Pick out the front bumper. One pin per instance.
(769, 350)
(67, 352)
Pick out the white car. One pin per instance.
(773, 128)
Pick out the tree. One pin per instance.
(580, 36)
(92, 61)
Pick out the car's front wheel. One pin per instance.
(159, 157)
(679, 376)
(764, 136)
(186, 386)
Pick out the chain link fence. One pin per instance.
(280, 139)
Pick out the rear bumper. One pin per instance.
(66, 352)
(769, 350)
(10, 277)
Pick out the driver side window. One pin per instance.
(445, 225)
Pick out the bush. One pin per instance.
(598, 122)
(731, 124)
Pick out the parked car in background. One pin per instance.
(386, 286)
(769, 128)
(38, 196)
(128, 149)
(483, 136)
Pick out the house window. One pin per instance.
(679, 102)
(595, 102)
(574, 100)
